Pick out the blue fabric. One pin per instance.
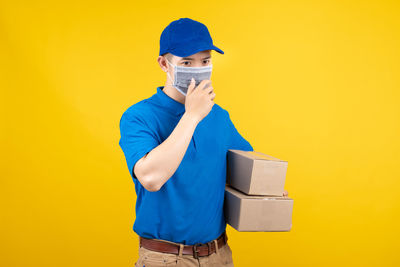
(188, 208)
(185, 37)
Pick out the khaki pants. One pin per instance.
(150, 258)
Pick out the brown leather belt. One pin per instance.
(197, 250)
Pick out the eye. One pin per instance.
(206, 61)
(184, 63)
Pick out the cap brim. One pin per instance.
(194, 51)
(217, 49)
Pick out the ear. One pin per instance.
(163, 63)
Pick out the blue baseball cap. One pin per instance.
(185, 37)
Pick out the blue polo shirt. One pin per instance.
(188, 208)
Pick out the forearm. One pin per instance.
(161, 163)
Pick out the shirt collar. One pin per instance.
(171, 104)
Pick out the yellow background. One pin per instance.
(315, 83)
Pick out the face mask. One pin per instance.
(183, 75)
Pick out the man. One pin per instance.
(175, 144)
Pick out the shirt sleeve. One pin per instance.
(235, 139)
(137, 139)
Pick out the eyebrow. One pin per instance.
(189, 58)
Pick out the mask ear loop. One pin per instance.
(169, 76)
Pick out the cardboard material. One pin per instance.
(255, 173)
(257, 213)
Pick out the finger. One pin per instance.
(191, 86)
(207, 85)
(213, 96)
(203, 84)
(209, 90)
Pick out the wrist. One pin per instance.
(191, 117)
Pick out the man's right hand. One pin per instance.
(199, 100)
(154, 169)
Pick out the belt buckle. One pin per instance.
(195, 251)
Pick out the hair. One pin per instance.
(169, 56)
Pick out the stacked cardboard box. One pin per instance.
(254, 193)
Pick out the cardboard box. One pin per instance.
(257, 213)
(255, 173)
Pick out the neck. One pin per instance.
(173, 93)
